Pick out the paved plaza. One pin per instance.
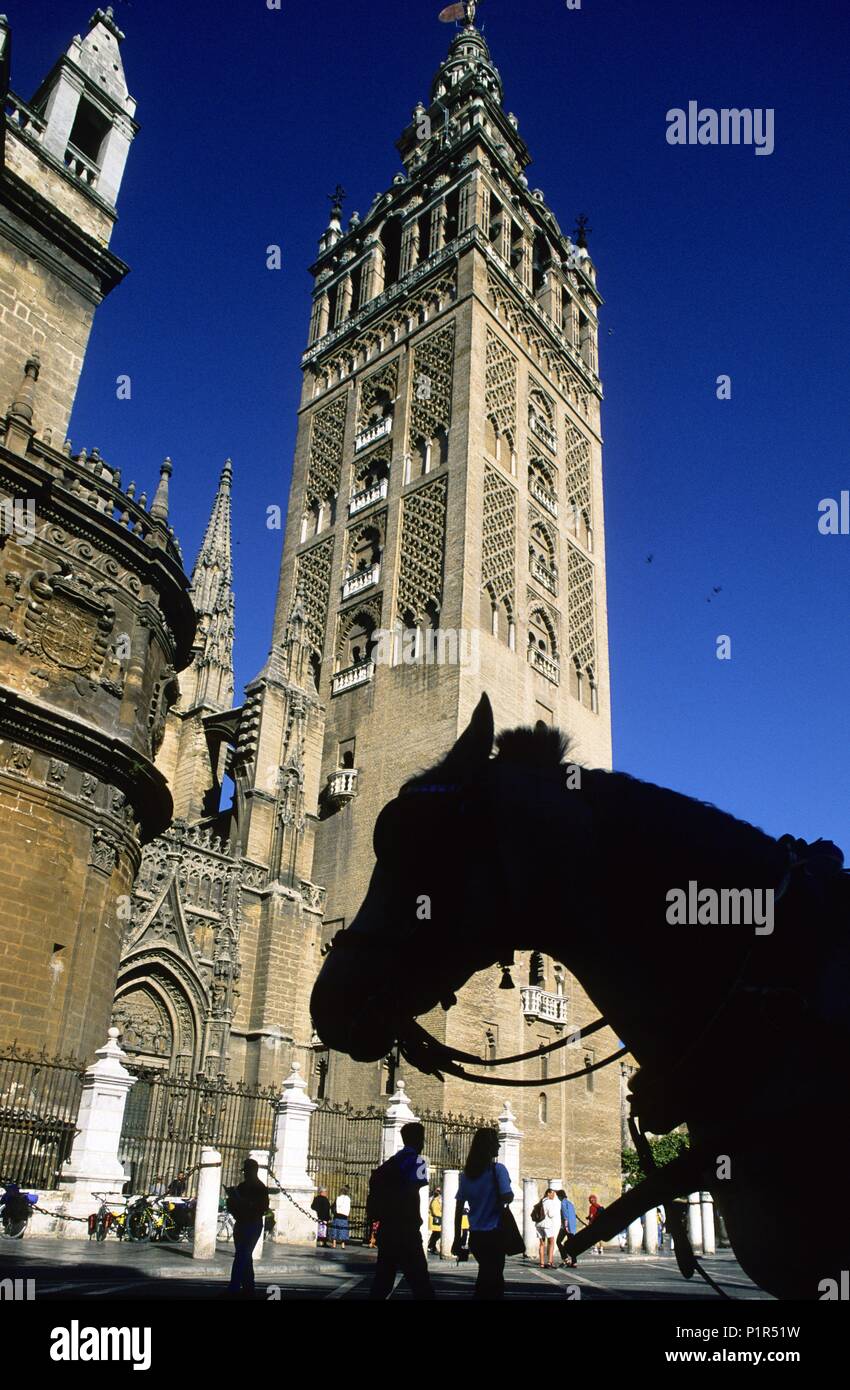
(71, 1270)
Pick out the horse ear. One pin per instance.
(475, 744)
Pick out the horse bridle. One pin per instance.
(435, 1058)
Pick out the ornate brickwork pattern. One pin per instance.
(578, 474)
(500, 386)
(313, 583)
(403, 318)
(582, 627)
(420, 581)
(554, 361)
(498, 553)
(374, 388)
(326, 446)
(433, 363)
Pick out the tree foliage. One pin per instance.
(664, 1149)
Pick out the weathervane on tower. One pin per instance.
(465, 10)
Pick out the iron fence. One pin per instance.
(345, 1146)
(447, 1140)
(169, 1119)
(39, 1101)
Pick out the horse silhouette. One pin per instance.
(740, 1030)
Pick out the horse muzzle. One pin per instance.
(349, 1008)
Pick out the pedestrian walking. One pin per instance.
(322, 1207)
(393, 1202)
(341, 1214)
(594, 1210)
(568, 1228)
(485, 1187)
(435, 1221)
(659, 1216)
(548, 1224)
(247, 1204)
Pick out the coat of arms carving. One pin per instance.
(68, 621)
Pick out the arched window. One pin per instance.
(536, 971)
(364, 551)
(541, 263)
(590, 1076)
(371, 471)
(543, 484)
(541, 556)
(542, 1107)
(541, 634)
(391, 242)
(321, 1069)
(541, 419)
(356, 641)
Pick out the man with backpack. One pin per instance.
(393, 1202)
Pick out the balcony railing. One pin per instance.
(342, 786)
(367, 495)
(360, 674)
(539, 1004)
(542, 430)
(373, 434)
(547, 666)
(82, 166)
(544, 573)
(547, 499)
(356, 583)
(24, 118)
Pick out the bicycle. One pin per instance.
(106, 1219)
(151, 1218)
(224, 1230)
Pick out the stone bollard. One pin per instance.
(530, 1198)
(650, 1232)
(709, 1244)
(695, 1222)
(424, 1203)
(634, 1237)
(206, 1206)
(291, 1150)
(451, 1178)
(261, 1158)
(93, 1166)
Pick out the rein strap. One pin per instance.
(433, 1058)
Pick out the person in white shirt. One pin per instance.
(342, 1211)
(548, 1227)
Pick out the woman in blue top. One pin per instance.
(486, 1186)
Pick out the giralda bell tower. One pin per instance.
(447, 489)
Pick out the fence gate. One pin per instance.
(169, 1119)
(345, 1145)
(39, 1100)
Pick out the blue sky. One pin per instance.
(711, 261)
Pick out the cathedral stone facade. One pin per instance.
(445, 536)
(95, 618)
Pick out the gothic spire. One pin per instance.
(159, 505)
(209, 680)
